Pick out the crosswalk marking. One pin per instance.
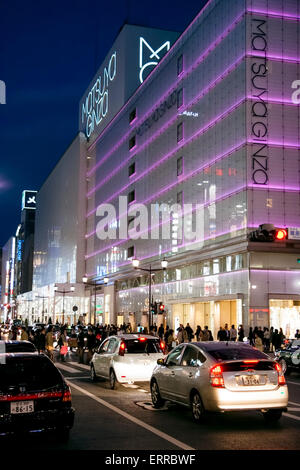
(66, 368)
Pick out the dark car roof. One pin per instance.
(17, 346)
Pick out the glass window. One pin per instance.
(132, 115)
(192, 358)
(104, 346)
(130, 253)
(238, 262)
(142, 346)
(132, 142)
(216, 266)
(112, 344)
(131, 196)
(180, 132)
(179, 166)
(131, 169)
(173, 358)
(228, 263)
(180, 64)
(234, 353)
(179, 98)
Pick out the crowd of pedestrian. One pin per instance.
(83, 338)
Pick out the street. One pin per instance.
(124, 419)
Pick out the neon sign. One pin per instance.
(153, 55)
(95, 107)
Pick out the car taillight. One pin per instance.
(162, 345)
(67, 397)
(122, 349)
(281, 378)
(141, 338)
(216, 377)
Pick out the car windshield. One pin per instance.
(35, 373)
(140, 346)
(19, 347)
(232, 354)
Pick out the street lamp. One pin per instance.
(150, 270)
(63, 292)
(94, 285)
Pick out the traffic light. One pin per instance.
(154, 308)
(268, 233)
(161, 307)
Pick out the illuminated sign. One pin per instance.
(294, 233)
(95, 107)
(153, 56)
(2, 92)
(19, 250)
(29, 199)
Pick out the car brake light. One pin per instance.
(162, 345)
(122, 349)
(142, 338)
(67, 396)
(250, 361)
(281, 378)
(216, 377)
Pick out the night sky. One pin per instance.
(49, 52)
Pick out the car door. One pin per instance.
(188, 373)
(99, 357)
(167, 372)
(107, 358)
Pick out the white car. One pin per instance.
(127, 359)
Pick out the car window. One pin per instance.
(142, 346)
(112, 344)
(173, 358)
(35, 373)
(104, 346)
(235, 353)
(192, 358)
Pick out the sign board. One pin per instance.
(29, 199)
(294, 233)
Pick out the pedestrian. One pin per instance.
(297, 334)
(171, 341)
(63, 345)
(80, 344)
(232, 333)
(49, 343)
(91, 343)
(276, 340)
(182, 336)
(41, 344)
(241, 333)
(251, 336)
(281, 336)
(197, 332)
(24, 335)
(267, 339)
(161, 331)
(258, 342)
(271, 339)
(190, 332)
(227, 332)
(222, 335)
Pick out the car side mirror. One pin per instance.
(161, 362)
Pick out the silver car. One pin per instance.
(127, 359)
(220, 376)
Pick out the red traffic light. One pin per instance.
(161, 307)
(280, 234)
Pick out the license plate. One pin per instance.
(251, 380)
(19, 407)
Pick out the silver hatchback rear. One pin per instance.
(220, 376)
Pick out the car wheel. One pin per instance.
(93, 374)
(284, 366)
(271, 416)
(157, 401)
(198, 411)
(113, 380)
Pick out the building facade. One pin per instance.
(213, 125)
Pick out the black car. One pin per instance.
(11, 346)
(33, 396)
(289, 356)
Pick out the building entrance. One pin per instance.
(285, 314)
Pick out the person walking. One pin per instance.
(232, 333)
(171, 340)
(267, 339)
(241, 333)
(258, 342)
(91, 343)
(161, 331)
(81, 344)
(49, 343)
(190, 332)
(251, 336)
(182, 336)
(24, 335)
(63, 345)
(197, 332)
